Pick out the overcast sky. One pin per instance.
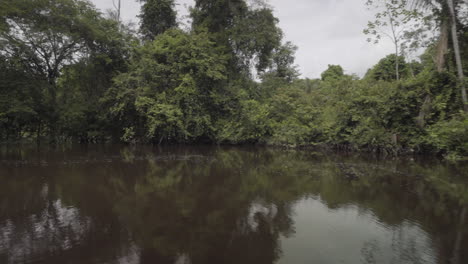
(325, 31)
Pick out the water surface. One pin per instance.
(228, 205)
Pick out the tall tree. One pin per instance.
(249, 34)
(82, 85)
(157, 16)
(218, 15)
(447, 9)
(44, 36)
(456, 49)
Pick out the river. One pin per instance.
(207, 204)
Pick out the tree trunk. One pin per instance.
(117, 9)
(442, 46)
(397, 63)
(456, 49)
(424, 111)
(439, 61)
(118, 12)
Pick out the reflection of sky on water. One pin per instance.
(345, 235)
(57, 228)
(356, 234)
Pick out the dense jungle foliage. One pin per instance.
(70, 73)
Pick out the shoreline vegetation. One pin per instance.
(69, 73)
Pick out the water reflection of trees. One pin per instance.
(39, 219)
(226, 210)
(212, 205)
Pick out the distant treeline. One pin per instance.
(69, 73)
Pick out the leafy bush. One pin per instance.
(450, 136)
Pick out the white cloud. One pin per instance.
(325, 31)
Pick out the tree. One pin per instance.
(391, 21)
(218, 16)
(255, 38)
(448, 10)
(83, 84)
(250, 35)
(421, 35)
(282, 65)
(168, 90)
(117, 9)
(334, 72)
(456, 49)
(20, 103)
(385, 69)
(157, 16)
(46, 36)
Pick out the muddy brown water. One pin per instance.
(203, 204)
